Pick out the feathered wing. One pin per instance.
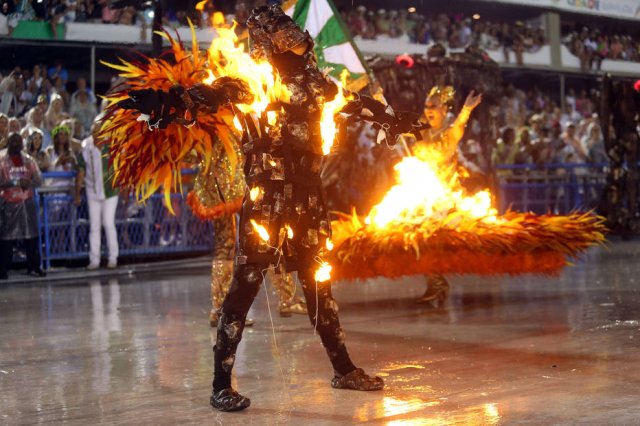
(522, 243)
(146, 159)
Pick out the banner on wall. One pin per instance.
(627, 9)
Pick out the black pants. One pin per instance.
(246, 283)
(6, 254)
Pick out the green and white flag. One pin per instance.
(333, 44)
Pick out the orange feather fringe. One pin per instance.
(521, 243)
(203, 212)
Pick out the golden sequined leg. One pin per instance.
(437, 290)
(222, 266)
(285, 286)
(221, 275)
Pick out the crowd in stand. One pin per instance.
(125, 12)
(52, 120)
(454, 31)
(592, 46)
(534, 129)
(176, 12)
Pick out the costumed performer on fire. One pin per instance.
(284, 219)
(443, 135)
(217, 196)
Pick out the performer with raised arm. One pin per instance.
(444, 135)
(283, 219)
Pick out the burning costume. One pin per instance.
(445, 139)
(283, 218)
(217, 195)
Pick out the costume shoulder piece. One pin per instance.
(163, 112)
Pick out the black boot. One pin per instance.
(229, 400)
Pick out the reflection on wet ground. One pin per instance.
(504, 351)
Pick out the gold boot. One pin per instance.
(437, 290)
(285, 286)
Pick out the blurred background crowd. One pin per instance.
(52, 114)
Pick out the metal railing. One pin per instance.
(149, 229)
(550, 188)
(143, 229)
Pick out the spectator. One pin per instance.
(358, 21)
(544, 147)
(60, 89)
(19, 175)
(615, 51)
(4, 12)
(14, 125)
(55, 113)
(16, 13)
(4, 130)
(506, 148)
(35, 121)
(39, 9)
(572, 150)
(525, 148)
(58, 71)
(57, 10)
(42, 102)
(584, 105)
(60, 154)
(35, 81)
(570, 115)
(109, 15)
(101, 197)
(13, 98)
(570, 98)
(36, 150)
(77, 133)
(81, 85)
(84, 110)
(593, 142)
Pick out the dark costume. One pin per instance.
(285, 166)
(284, 195)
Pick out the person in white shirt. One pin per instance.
(102, 198)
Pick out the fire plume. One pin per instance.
(427, 190)
(323, 273)
(425, 224)
(227, 57)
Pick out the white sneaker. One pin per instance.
(93, 266)
(113, 264)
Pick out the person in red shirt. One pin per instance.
(19, 175)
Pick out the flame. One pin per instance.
(323, 273)
(200, 6)
(236, 123)
(329, 244)
(330, 109)
(289, 232)
(261, 230)
(255, 192)
(427, 189)
(227, 57)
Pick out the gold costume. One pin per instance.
(217, 195)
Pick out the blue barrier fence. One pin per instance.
(149, 229)
(143, 229)
(551, 188)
